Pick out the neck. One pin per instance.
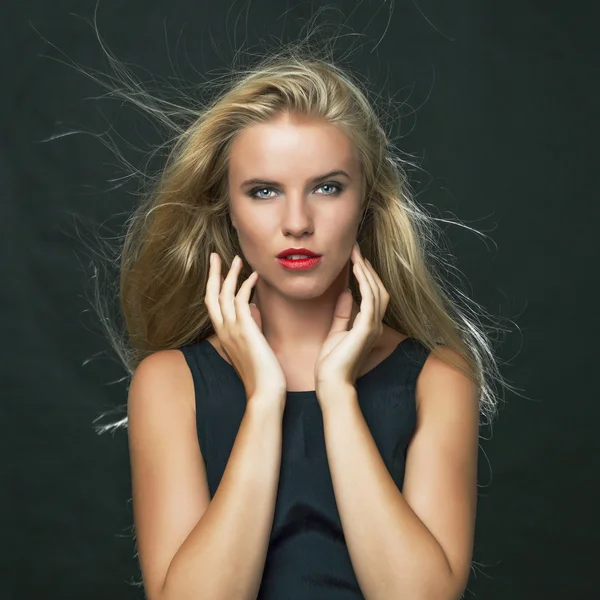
(299, 324)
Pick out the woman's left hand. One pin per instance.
(343, 352)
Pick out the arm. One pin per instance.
(191, 546)
(416, 544)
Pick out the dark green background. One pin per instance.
(501, 111)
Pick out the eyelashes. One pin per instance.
(252, 193)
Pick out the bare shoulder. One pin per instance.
(440, 482)
(444, 373)
(167, 370)
(170, 489)
(438, 369)
(445, 360)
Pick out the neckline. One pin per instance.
(300, 393)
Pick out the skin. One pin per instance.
(296, 306)
(428, 526)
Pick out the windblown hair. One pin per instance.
(183, 216)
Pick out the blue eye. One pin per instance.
(252, 193)
(335, 185)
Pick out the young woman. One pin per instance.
(304, 409)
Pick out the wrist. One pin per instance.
(267, 402)
(335, 395)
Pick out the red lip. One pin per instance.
(290, 251)
(299, 264)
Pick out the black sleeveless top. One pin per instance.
(307, 555)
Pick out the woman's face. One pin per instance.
(289, 205)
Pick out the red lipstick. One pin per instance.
(298, 258)
(291, 251)
(297, 264)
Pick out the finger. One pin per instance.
(213, 286)
(367, 302)
(228, 291)
(374, 286)
(242, 298)
(384, 296)
(371, 282)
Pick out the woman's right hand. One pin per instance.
(238, 326)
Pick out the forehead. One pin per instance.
(290, 147)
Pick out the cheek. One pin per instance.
(253, 239)
(342, 228)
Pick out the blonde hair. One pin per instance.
(183, 216)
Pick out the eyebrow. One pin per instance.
(276, 183)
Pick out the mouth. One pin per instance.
(293, 253)
(297, 264)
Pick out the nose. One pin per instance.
(297, 218)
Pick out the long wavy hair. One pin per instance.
(183, 216)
